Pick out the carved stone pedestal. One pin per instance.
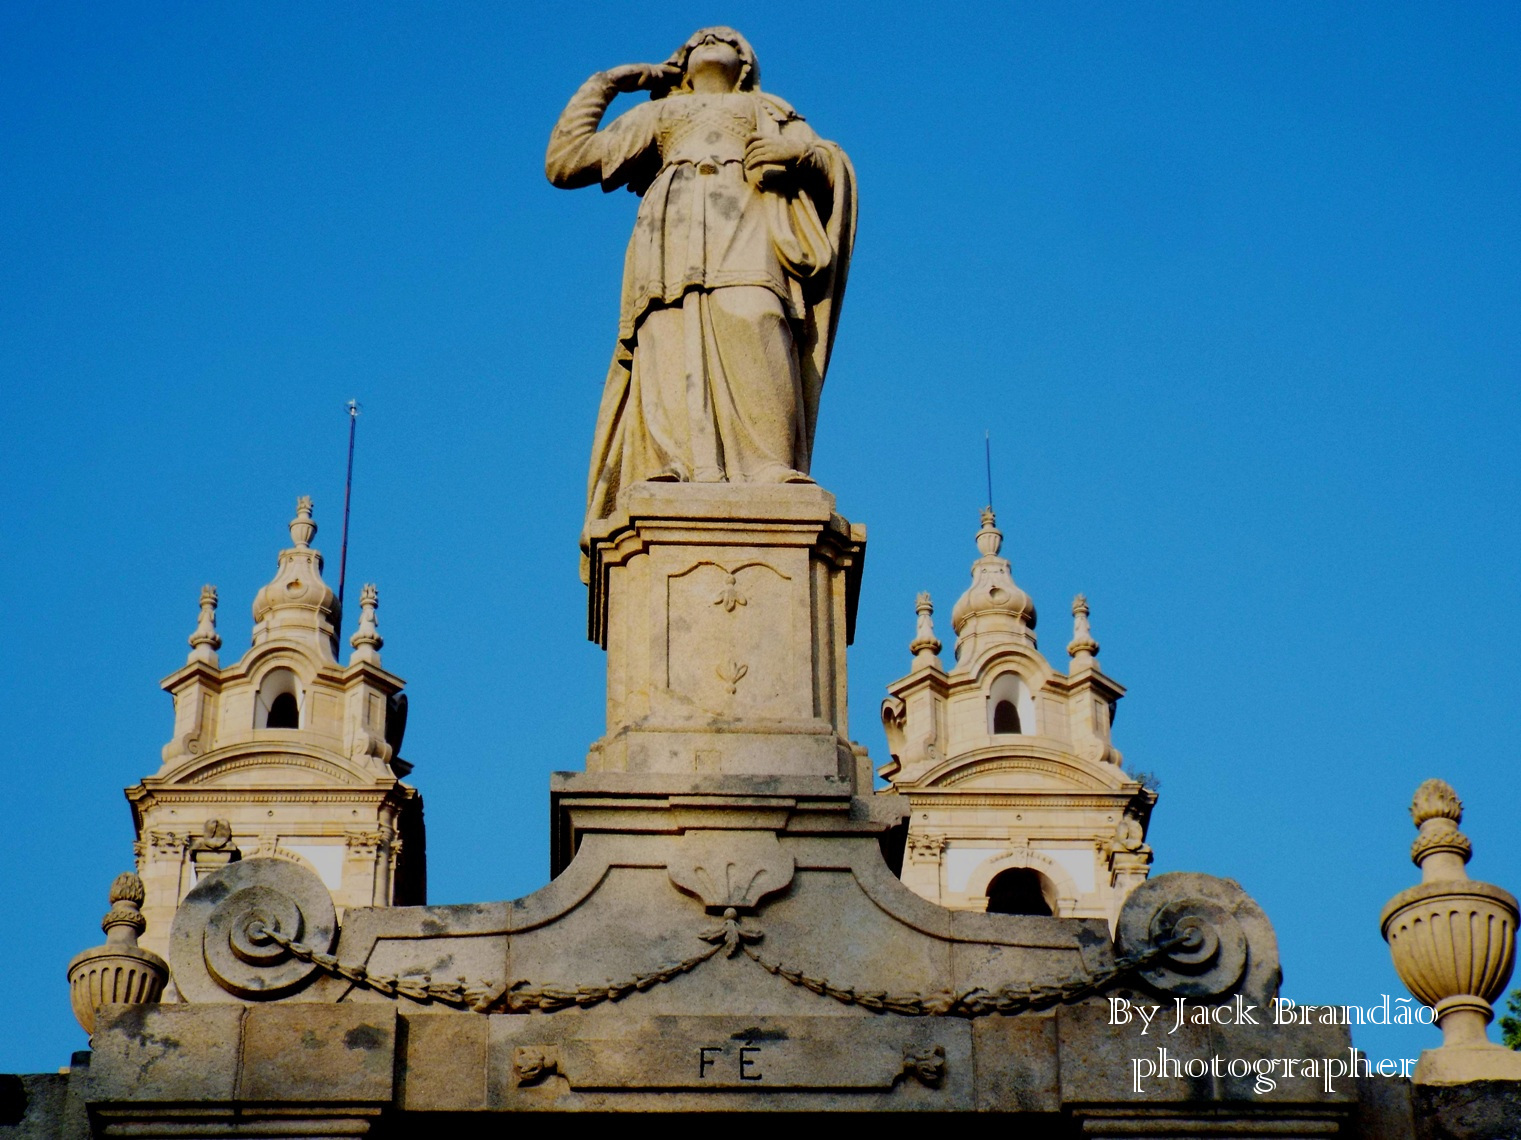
(725, 610)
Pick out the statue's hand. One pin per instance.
(766, 158)
(643, 76)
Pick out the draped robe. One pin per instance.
(731, 292)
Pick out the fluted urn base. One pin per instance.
(1453, 943)
(114, 975)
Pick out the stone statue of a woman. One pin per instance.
(733, 278)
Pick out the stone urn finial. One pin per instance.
(120, 972)
(1454, 943)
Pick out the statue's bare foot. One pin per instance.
(708, 475)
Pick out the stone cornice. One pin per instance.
(285, 753)
(1029, 757)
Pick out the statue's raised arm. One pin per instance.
(733, 278)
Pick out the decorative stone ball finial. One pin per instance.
(120, 972)
(205, 641)
(925, 645)
(367, 640)
(303, 528)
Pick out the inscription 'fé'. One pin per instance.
(717, 1061)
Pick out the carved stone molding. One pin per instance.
(731, 868)
(926, 848)
(532, 1063)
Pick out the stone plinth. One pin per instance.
(725, 611)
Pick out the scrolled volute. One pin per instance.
(222, 947)
(1225, 943)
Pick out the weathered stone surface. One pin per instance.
(43, 1106)
(444, 1067)
(318, 1053)
(1477, 1110)
(1017, 1064)
(1383, 1109)
(725, 611)
(168, 1053)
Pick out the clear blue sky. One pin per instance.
(1235, 288)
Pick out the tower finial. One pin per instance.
(205, 641)
(994, 608)
(303, 528)
(367, 641)
(297, 603)
(925, 645)
(989, 538)
(1083, 649)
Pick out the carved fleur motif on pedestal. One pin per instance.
(730, 597)
(730, 934)
(731, 673)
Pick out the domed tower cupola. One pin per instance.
(1018, 800)
(994, 610)
(297, 605)
(287, 752)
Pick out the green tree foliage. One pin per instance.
(1510, 1027)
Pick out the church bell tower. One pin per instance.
(1018, 800)
(287, 752)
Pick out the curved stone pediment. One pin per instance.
(997, 766)
(257, 766)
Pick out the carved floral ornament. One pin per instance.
(925, 848)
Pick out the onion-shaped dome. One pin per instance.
(297, 603)
(993, 605)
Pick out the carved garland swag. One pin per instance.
(731, 938)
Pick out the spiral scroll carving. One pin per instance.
(223, 942)
(1225, 943)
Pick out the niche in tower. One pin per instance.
(278, 703)
(1011, 710)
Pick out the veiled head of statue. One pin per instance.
(749, 66)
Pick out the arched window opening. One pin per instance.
(283, 712)
(1010, 707)
(278, 701)
(1018, 890)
